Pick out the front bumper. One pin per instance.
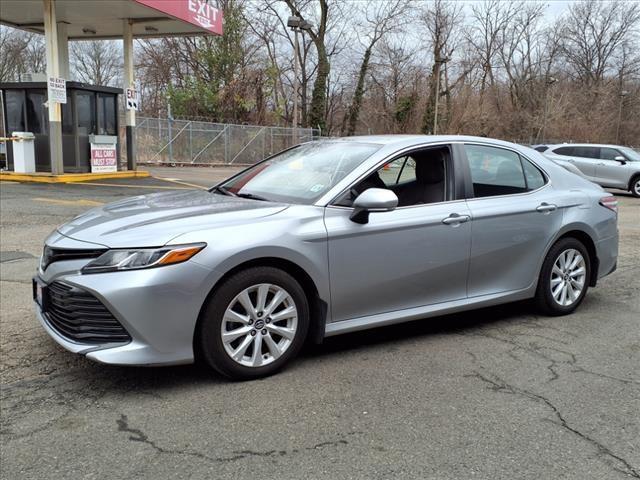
(158, 307)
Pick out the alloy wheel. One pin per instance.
(636, 187)
(259, 325)
(568, 277)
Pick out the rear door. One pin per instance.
(580, 157)
(514, 217)
(586, 159)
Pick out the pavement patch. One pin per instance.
(12, 256)
(60, 201)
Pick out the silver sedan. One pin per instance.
(328, 237)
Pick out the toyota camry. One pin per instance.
(327, 237)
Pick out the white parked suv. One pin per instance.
(610, 166)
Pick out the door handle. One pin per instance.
(545, 207)
(456, 219)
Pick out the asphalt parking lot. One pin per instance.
(490, 394)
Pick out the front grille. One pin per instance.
(79, 316)
(50, 255)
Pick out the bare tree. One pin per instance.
(380, 18)
(441, 19)
(98, 62)
(490, 19)
(594, 33)
(20, 52)
(317, 117)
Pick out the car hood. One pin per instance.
(153, 220)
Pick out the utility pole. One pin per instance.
(623, 94)
(548, 82)
(437, 102)
(296, 24)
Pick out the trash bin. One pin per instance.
(24, 158)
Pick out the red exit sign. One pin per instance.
(195, 12)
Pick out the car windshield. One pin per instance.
(300, 175)
(631, 154)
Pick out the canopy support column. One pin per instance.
(53, 70)
(63, 50)
(129, 82)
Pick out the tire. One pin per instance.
(279, 340)
(634, 186)
(553, 280)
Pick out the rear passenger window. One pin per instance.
(586, 152)
(568, 151)
(534, 177)
(496, 171)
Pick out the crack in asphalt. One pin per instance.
(137, 435)
(498, 385)
(536, 350)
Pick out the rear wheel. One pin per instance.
(564, 278)
(254, 323)
(634, 186)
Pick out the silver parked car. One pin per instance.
(610, 166)
(328, 237)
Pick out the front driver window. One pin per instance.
(609, 154)
(417, 178)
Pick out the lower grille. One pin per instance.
(80, 317)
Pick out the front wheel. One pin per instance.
(564, 278)
(254, 323)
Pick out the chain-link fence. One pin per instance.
(164, 141)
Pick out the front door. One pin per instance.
(404, 258)
(611, 172)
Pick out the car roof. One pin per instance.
(407, 140)
(586, 145)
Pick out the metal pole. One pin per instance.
(295, 88)
(548, 82)
(55, 112)
(622, 95)
(435, 113)
(226, 143)
(169, 130)
(129, 82)
(190, 142)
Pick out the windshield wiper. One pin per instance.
(252, 196)
(224, 191)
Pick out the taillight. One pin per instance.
(610, 202)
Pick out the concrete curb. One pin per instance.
(69, 177)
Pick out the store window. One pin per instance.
(37, 118)
(15, 111)
(107, 124)
(86, 111)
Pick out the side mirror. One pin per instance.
(620, 159)
(373, 200)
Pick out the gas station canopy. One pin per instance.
(102, 19)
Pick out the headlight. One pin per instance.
(134, 259)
